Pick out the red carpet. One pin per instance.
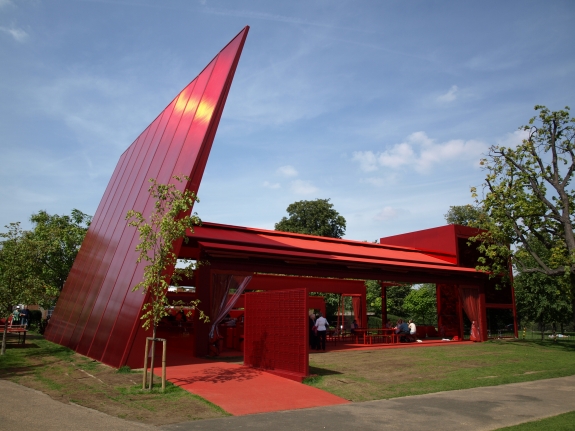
(242, 390)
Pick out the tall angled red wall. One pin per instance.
(97, 313)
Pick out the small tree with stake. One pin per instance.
(166, 225)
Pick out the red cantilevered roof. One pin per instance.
(223, 241)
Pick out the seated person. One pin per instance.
(402, 329)
(354, 326)
(412, 331)
(388, 324)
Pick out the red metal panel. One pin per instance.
(113, 231)
(79, 271)
(203, 111)
(276, 332)
(448, 310)
(101, 310)
(101, 322)
(342, 257)
(235, 235)
(440, 239)
(185, 115)
(326, 285)
(89, 287)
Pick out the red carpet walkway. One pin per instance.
(242, 390)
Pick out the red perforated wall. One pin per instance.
(276, 332)
(97, 313)
(448, 310)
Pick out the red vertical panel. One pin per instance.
(109, 266)
(79, 271)
(448, 310)
(123, 320)
(92, 283)
(88, 286)
(281, 348)
(197, 146)
(98, 309)
(101, 320)
(197, 121)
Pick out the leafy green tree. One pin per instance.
(540, 298)
(315, 217)
(465, 215)
(20, 281)
(395, 297)
(58, 240)
(529, 197)
(373, 296)
(166, 225)
(421, 303)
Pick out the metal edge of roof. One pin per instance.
(266, 232)
(228, 249)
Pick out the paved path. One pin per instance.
(22, 408)
(479, 409)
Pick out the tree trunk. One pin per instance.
(152, 358)
(542, 325)
(4, 334)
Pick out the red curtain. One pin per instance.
(470, 302)
(357, 309)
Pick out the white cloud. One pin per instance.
(5, 3)
(388, 213)
(512, 140)
(374, 181)
(367, 160)
(269, 185)
(287, 171)
(422, 153)
(18, 34)
(450, 96)
(303, 187)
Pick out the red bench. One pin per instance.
(17, 329)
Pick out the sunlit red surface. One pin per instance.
(97, 313)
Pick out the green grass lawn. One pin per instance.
(71, 378)
(388, 373)
(564, 422)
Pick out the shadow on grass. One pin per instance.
(323, 371)
(564, 345)
(18, 371)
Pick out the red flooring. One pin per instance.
(243, 390)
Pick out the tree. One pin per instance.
(539, 297)
(465, 215)
(373, 296)
(395, 297)
(421, 303)
(313, 218)
(529, 198)
(58, 240)
(166, 225)
(20, 281)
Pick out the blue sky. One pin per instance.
(385, 107)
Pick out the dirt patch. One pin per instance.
(72, 378)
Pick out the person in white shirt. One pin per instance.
(412, 330)
(321, 325)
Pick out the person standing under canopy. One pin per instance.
(322, 326)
